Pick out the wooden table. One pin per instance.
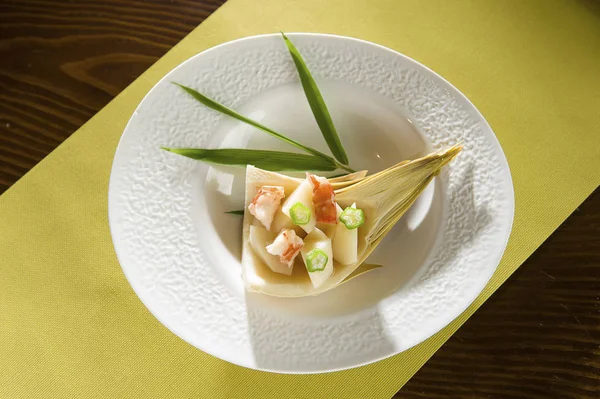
(537, 337)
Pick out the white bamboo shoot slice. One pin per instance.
(345, 242)
(282, 222)
(299, 205)
(328, 229)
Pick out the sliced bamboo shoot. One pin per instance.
(328, 229)
(345, 243)
(299, 207)
(265, 204)
(281, 222)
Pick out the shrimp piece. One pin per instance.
(323, 199)
(286, 247)
(265, 204)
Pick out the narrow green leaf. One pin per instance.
(268, 160)
(210, 103)
(317, 104)
(239, 212)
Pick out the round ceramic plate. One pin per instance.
(180, 251)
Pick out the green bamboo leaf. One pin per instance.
(317, 104)
(238, 212)
(210, 103)
(268, 160)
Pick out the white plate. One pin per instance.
(180, 251)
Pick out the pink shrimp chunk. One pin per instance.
(323, 199)
(265, 204)
(287, 246)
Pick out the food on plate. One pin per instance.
(302, 236)
(323, 199)
(265, 203)
(333, 223)
(318, 257)
(286, 246)
(345, 246)
(299, 207)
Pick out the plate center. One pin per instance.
(376, 135)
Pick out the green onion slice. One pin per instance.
(352, 218)
(300, 214)
(316, 260)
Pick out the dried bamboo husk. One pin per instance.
(384, 197)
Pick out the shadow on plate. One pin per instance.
(466, 230)
(298, 344)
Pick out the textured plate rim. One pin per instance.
(457, 94)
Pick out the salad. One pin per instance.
(304, 228)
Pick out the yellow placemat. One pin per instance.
(71, 327)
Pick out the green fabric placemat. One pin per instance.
(70, 325)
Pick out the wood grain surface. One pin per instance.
(537, 337)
